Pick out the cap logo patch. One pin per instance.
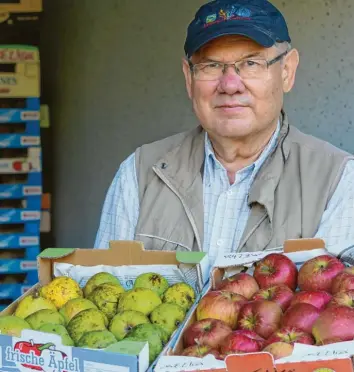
(232, 13)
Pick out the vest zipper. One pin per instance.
(189, 215)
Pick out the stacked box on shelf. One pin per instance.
(20, 21)
(20, 170)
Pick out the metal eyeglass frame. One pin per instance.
(269, 63)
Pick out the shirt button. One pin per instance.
(219, 242)
(230, 193)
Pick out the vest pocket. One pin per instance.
(157, 243)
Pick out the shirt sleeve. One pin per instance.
(337, 223)
(120, 210)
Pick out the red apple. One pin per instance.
(344, 281)
(200, 351)
(261, 316)
(318, 273)
(319, 299)
(281, 294)
(241, 283)
(241, 342)
(221, 305)
(276, 269)
(301, 316)
(335, 322)
(290, 335)
(208, 332)
(343, 299)
(279, 349)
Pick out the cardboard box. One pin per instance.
(21, 239)
(21, 6)
(309, 356)
(19, 71)
(20, 28)
(193, 265)
(15, 186)
(30, 162)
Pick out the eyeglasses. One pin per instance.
(249, 68)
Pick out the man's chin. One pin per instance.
(235, 128)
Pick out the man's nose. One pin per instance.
(231, 82)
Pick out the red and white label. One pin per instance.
(30, 215)
(28, 265)
(26, 241)
(32, 190)
(30, 140)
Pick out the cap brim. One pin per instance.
(254, 33)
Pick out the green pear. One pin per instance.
(44, 316)
(181, 294)
(153, 281)
(96, 339)
(98, 279)
(139, 299)
(168, 316)
(12, 325)
(124, 322)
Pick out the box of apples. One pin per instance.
(300, 295)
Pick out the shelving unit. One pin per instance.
(21, 178)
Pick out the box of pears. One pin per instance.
(101, 310)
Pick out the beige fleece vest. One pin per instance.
(287, 197)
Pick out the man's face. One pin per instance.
(236, 107)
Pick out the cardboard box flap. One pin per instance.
(190, 257)
(298, 245)
(122, 253)
(50, 253)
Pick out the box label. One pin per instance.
(100, 367)
(32, 190)
(30, 215)
(28, 265)
(26, 241)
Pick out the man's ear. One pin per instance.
(289, 69)
(188, 76)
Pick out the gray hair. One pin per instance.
(283, 46)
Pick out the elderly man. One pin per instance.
(244, 180)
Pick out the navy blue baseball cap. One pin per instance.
(259, 20)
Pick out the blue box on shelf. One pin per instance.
(20, 235)
(15, 186)
(19, 266)
(17, 141)
(14, 216)
(13, 291)
(21, 115)
(20, 161)
(26, 109)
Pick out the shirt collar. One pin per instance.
(211, 158)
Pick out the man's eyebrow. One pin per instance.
(249, 55)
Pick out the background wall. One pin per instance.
(112, 77)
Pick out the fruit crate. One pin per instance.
(21, 6)
(19, 69)
(125, 260)
(20, 235)
(296, 253)
(17, 186)
(20, 161)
